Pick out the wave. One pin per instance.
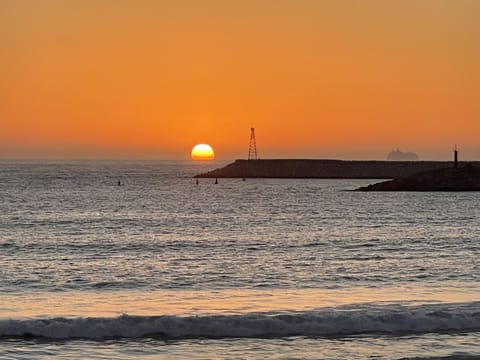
(393, 319)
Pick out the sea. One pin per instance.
(160, 267)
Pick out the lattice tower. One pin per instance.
(252, 148)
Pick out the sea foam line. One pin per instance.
(332, 322)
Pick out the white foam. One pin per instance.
(388, 319)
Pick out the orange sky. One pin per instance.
(319, 78)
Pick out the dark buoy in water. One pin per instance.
(119, 183)
(216, 180)
(196, 182)
(28, 336)
(243, 179)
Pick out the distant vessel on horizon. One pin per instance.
(397, 155)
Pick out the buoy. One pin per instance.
(216, 181)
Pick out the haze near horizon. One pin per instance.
(317, 79)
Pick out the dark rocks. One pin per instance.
(466, 178)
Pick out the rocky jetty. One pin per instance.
(323, 169)
(466, 178)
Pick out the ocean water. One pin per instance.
(162, 268)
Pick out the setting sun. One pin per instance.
(202, 152)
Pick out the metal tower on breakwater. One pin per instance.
(252, 148)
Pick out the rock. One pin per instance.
(466, 178)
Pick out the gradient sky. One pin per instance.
(321, 78)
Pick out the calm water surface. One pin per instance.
(264, 268)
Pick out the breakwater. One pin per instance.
(324, 168)
(465, 178)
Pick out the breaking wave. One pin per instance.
(332, 322)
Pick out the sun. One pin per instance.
(202, 152)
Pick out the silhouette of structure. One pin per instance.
(327, 169)
(397, 155)
(455, 157)
(252, 148)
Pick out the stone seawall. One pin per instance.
(333, 169)
(465, 178)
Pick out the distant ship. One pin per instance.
(397, 155)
